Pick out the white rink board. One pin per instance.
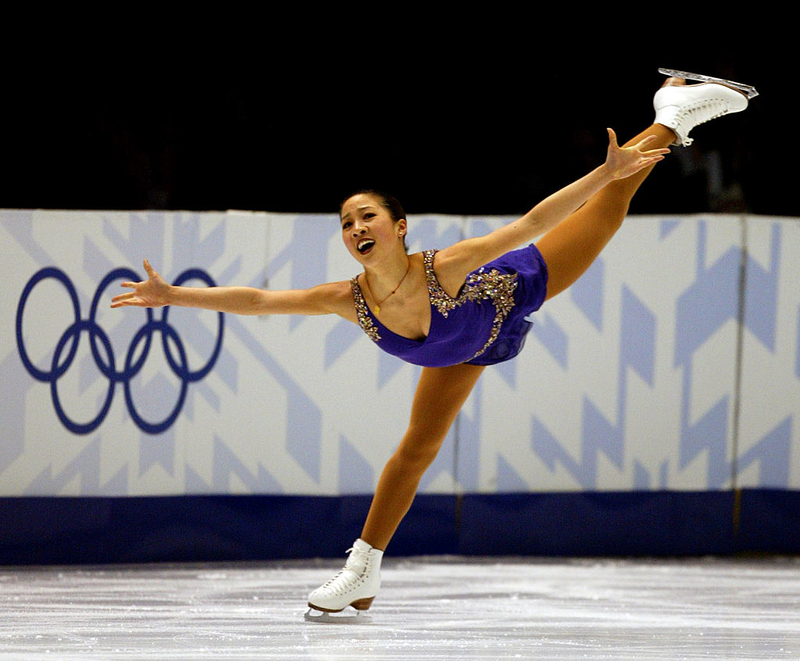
(769, 434)
(629, 381)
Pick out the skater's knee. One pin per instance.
(416, 452)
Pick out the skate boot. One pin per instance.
(355, 585)
(681, 107)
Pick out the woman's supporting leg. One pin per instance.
(440, 394)
(571, 247)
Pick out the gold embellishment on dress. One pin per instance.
(479, 286)
(362, 311)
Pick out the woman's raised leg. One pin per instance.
(571, 247)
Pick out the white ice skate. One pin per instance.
(683, 107)
(355, 585)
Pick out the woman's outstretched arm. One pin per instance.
(332, 298)
(621, 162)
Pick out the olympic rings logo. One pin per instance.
(105, 360)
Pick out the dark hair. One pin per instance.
(390, 203)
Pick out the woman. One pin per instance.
(457, 310)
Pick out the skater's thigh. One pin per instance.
(440, 394)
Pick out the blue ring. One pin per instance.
(75, 330)
(116, 274)
(43, 274)
(144, 425)
(197, 375)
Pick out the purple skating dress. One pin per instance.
(485, 324)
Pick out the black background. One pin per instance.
(467, 128)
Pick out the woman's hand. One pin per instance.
(622, 162)
(150, 293)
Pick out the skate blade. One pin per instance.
(322, 617)
(748, 90)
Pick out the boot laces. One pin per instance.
(691, 116)
(707, 111)
(353, 570)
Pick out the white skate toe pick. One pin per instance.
(355, 585)
(683, 107)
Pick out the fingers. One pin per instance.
(123, 299)
(645, 141)
(640, 146)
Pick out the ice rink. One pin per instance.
(428, 608)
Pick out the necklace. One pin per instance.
(379, 303)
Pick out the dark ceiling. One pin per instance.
(466, 133)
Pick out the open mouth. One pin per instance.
(365, 245)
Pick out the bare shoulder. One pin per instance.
(462, 258)
(335, 298)
(454, 263)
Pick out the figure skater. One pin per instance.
(460, 309)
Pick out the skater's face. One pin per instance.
(368, 228)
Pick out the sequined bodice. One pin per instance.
(467, 325)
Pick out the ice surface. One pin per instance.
(429, 608)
